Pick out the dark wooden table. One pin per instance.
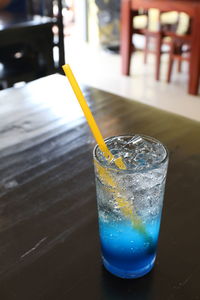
(49, 245)
(191, 7)
(35, 31)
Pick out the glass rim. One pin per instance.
(116, 169)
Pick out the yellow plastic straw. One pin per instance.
(126, 208)
(90, 119)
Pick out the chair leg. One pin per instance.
(158, 55)
(146, 48)
(171, 61)
(179, 66)
(179, 61)
(126, 36)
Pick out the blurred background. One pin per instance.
(87, 34)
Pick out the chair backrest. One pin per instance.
(50, 8)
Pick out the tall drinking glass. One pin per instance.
(130, 203)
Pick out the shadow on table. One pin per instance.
(114, 288)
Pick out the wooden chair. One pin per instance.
(180, 46)
(157, 34)
(179, 51)
(157, 30)
(141, 24)
(27, 42)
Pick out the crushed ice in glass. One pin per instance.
(137, 152)
(142, 186)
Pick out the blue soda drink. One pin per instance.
(130, 203)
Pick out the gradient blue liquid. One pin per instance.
(126, 252)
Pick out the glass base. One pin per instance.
(128, 274)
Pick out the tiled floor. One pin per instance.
(98, 68)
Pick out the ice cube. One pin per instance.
(135, 140)
(137, 152)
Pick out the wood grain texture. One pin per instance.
(49, 245)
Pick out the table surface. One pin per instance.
(10, 21)
(49, 245)
(19, 31)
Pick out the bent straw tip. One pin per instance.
(66, 67)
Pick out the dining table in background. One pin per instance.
(35, 31)
(28, 41)
(49, 244)
(191, 7)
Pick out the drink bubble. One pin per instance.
(126, 196)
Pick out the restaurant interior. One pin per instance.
(94, 27)
(98, 46)
(134, 67)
